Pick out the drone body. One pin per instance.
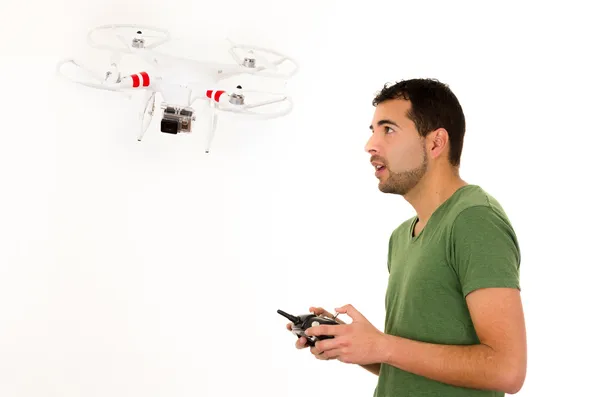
(182, 81)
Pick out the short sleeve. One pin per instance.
(484, 250)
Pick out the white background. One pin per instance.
(152, 269)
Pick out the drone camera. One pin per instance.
(176, 119)
(169, 126)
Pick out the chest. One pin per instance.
(423, 298)
(420, 276)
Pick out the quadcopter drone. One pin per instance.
(182, 81)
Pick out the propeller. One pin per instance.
(252, 59)
(83, 75)
(130, 37)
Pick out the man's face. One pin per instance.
(397, 146)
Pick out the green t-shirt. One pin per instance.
(467, 244)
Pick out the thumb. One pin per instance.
(350, 311)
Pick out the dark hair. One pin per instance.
(433, 105)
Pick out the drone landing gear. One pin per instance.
(212, 127)
(146, 115)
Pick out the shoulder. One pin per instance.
(480, 224)
(475, 209)
(474, 216)
(403, 228)
(470, 205)
(483, 248)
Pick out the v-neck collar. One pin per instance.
(411, 230)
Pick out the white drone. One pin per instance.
(181, 81)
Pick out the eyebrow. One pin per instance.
(384, 121)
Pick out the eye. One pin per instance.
(388, 129)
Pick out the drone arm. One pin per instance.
(136, 81)
(198, 98)
(204, 93)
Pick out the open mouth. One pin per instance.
(379, 169)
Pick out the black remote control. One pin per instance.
(303, 322)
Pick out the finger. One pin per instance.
(319, 355)
(350, 311)
(327, 354)
(319, 311)
(332, 354)
(329, 344)
(301, 343)
(289, 326)
(324, 329)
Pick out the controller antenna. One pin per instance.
(294, 319)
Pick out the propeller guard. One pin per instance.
(139, 40)
(266, 106)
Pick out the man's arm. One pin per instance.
(372, 368)
(498, 363)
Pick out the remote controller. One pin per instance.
(303, 322)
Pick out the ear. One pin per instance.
(438, 142)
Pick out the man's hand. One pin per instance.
(356, 343)
(319, 311)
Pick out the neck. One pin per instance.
(435, 188)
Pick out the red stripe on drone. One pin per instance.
(136, 80)
(216, 96)
(145, 79)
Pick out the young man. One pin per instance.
(454, 322)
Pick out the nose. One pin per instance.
(372, 144)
